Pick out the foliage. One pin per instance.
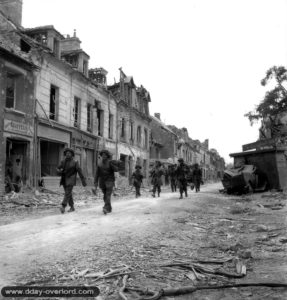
(275, 100)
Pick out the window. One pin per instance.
(111, 126)
(123, 125)
(85, 67)
(10, 91)
(144, 168)
(54, 92)
(100, 117)
(77, 111)
(131, 131)
(139, 135)
(145, 138)
(56, 48)
(89, 117)
(72, 60)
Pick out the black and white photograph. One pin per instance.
(143, 149)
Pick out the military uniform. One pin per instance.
(137, 178)
(181, 176)
(68, 169)
(156, 179)
(172, 177)
(197, 178)
(105, 177)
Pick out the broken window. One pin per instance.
(89, 117)
(100, 117)
(123, 128)
(72, 60)
(145, 138)
(85, 67)
(56, 48)
(10, 90)
(77, 111)
(54, 92)
(139, 135)
(41, 38)
(25, 47)
(111, 126)
(131, 131)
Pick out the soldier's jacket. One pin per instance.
(69, 169)
(106, 172)
(182, 172)
(172, 172)
(137, 177)
(155, 175)
(197, 174)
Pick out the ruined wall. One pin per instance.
(165, 138)
(18, 121)
(13, 10)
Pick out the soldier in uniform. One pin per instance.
(105, 178)
(197, 177)
(181, 174)
(68, 169)
(137, 178)
(156, 178)
(172, 177)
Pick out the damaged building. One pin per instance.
(163, 142)
(71, 104)
(133, 124)
(17, 82)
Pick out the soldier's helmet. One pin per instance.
(69, 150)
(107, 152)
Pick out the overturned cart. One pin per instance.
(244, 179)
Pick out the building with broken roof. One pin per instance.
(133, 124)
(17, 82)
(163, 142)
(73, 106)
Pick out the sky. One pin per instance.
(201, 60)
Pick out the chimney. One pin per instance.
(70, 43)
(12, 10)
(157, 115)
(206, 143)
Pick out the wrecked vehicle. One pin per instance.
(244, 179)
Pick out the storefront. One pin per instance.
(18, 138)
(85, 147)
(51, 143)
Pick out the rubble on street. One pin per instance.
(212, 245)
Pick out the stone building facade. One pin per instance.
(133, 124)
(164, 142)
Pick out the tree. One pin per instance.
(275, 100)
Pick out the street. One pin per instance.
(146, 233)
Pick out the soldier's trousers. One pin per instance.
(173, 185)
(68, 197)
(197, 185)
(107, 189)
(156, 187)
(182, 184)
(138, 189)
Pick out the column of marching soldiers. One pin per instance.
(180, 175)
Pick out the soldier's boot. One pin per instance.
(105, 211)
(185, 194)
(153, 194)
(71, 209)
(62, 209)
(180, 196)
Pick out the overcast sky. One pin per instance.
(201, 60)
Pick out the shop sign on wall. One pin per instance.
(17, 127)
